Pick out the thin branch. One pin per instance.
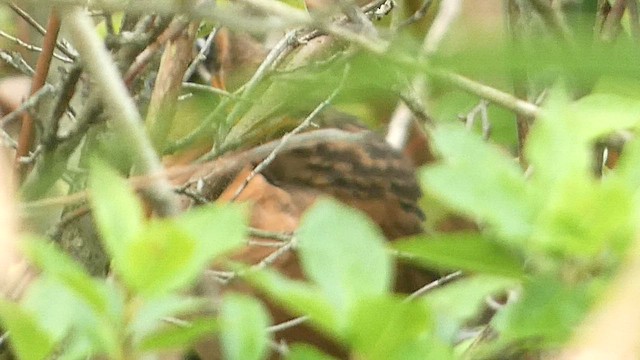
(401, 121)
(61, 45)
(303, 125)
(611, 26)
(284, 46)
(27, 105)
(287, 324)
(209, 89)
(173, 31)
(120, 107)
(27, 135)
(259, 233)
(173, 64)
(479, 110)
(202, 173)
(202, 54)
(66, 93)
(432, 285)
(15, 59)
(489, 93)
(552, 16)
(419, 14)
(32, 47)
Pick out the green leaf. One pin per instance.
(302, 351)
(57, 264)
(28, 339)
(116, 210)
(177, 336)
(466, 251)
(587, 219)
(559, 144)
(344, 253)
(478, 180)
(68, 317)
(548, 311)
(596, 115)
(244, 324)
(216, 228)
(159, 260)
(388, 328)
(460, 301)
(171, 253)
(150, 313)
(300, 298)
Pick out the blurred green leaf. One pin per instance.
(585, 219)
(177, 336)
(547, 312)
(600, 114)
(244, 324)
(159, 260)
(302, 351)
(150, 313)
(116, 210)
(343, 252)
(56, 264)
(216, 228)
(466, 251)
(462, 300)
(29, 340)
(388, 328)
(559, 144)
(69, 318)
(478, 180)
(170, 253)
(300, 298)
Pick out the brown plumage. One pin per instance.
(367, 175)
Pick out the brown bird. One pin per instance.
(366, 174)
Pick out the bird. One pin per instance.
(365, 174)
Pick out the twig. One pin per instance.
(401, 121)
(553, 17)
(25, 141)
(303, 125)
(173, 31)
(66, 93)
(219, 168)
(519, 77)
(6, 140)
(15, 59)
(489, 93)
(287, 324)
(173, 64)
(259, 233)
(29, 159)
(611, 26)
(419, 14)
(63, 46)
(284, 46)
(202, 55)
(432, 285)
(478, 110)
(32, 47)
(121, 108)
(56, 231)
(30, 103)
(209, 89)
